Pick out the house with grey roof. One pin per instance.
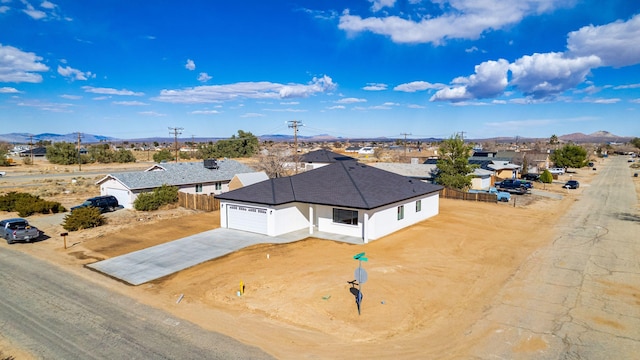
(209, 177)
(345, 197)
(319, 158)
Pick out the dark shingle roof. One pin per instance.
(344, 183)
(323, 156)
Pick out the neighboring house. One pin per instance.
(504, 169)
(353, 149)
(346, 198)
(319, 158)
(367, 150)
(422, 172)
(482, 179)
(36, 152)
(208, 177)
(246, 179)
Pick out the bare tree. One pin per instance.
(272, 161)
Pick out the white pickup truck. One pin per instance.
(2, 173)
(18, 229)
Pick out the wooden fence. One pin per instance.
(198, 201)
(448, 193)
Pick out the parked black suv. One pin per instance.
(531, 177)
(104, 203)
(572, 184)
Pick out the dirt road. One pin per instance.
(578, 298)
(56, 315)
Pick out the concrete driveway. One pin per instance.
(158, 261)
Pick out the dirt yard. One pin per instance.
(426, 284)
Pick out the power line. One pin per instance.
(79, 160)
(175, 131)
(405, 143)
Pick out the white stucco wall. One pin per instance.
(108, 187)
(385, 221)
(290, 217)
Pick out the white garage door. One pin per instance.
(247, 218)
(121, 195)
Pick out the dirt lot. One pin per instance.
(426, 284)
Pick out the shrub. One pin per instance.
(27, 204)
(546, 177)
(83, 218)
(153, 200)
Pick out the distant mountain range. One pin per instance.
(24, 138)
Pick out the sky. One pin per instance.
(343, 68)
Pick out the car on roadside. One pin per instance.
(104, 203)
(531, 177)
(18, 229)
(557, 171)
(514, 186)
(571, 184)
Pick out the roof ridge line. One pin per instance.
(353, 182)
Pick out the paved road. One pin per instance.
(56, 315)
(579, 298)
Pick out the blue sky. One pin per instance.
(361, 68)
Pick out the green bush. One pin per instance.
(27, 204)
(546, 177)
(159, 196)
(83, 218)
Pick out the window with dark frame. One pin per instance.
(400, 212)
(418, 205)
(198, 188)
(218, 186)
(343, 216)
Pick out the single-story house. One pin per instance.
(345, 197)
(40, 151)
(423, 172)
(482, 179)
(246, 179)
(209, 177)
(319, 158)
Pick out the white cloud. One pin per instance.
(379, 4)
(635, 101)
(252, 115)
(375, 87)
(489, 81)
(204, 77)
(75, 74)
(110, 91)
(417, 86)
(151, 113)
(603, 101)
(4, 9)
(290, 103)
(286, 110)
(190, 65)
(336, 107)
(630, 86)
(542, 75)
(48, 5)
(461, 19)
(615, 43)
(205, 112)
(71, 97)
(9, 90)
(247, 90)
(129, 103)
(19, 66)
(33, 13)
(415, 106)
(350, 101)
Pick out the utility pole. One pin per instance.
(31, 147)
(462, 135)
(175, 131)
(405, 144)
(294, 124)
(79, 162)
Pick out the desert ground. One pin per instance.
(427, 284)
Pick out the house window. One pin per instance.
(418, 205)
(198, 188)
(218, 186)
(342, 216)
(400, 212)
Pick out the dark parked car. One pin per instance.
(531, 177)
(104, 203)
(572, 184)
